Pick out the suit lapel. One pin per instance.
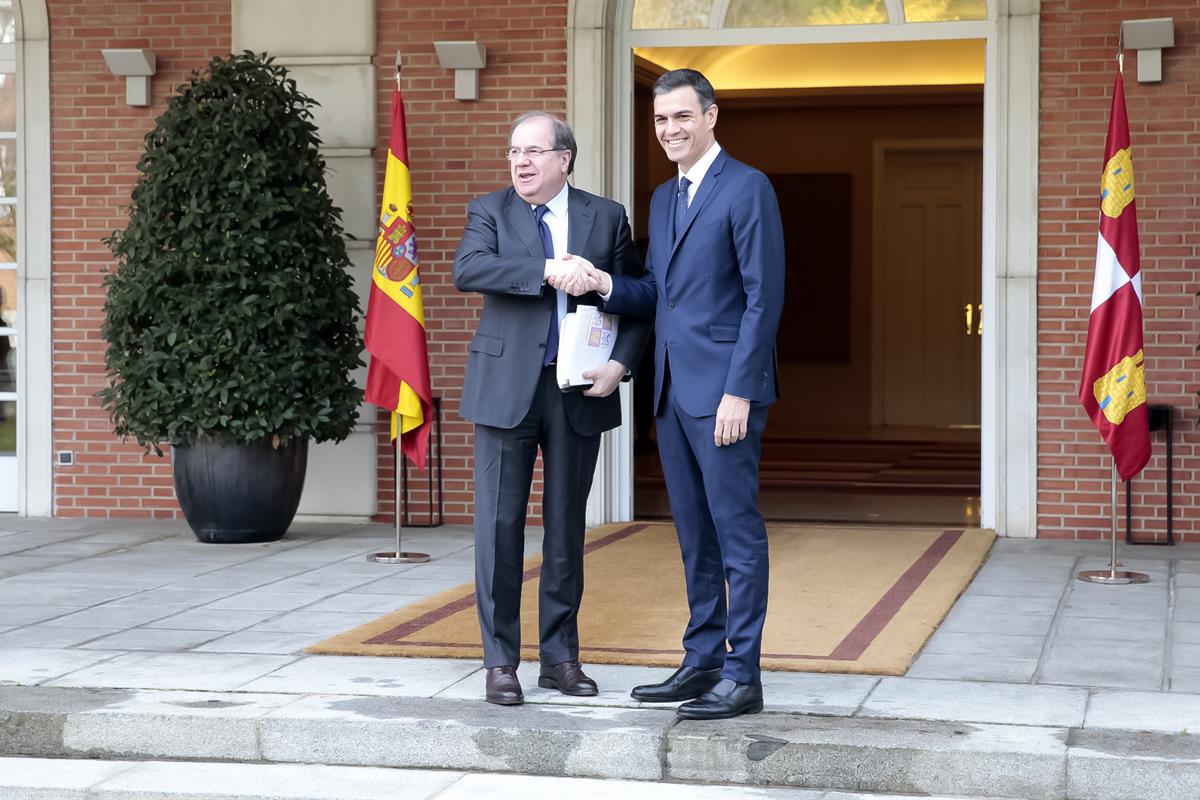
(580, 219)
(520, 216)
(707, 187)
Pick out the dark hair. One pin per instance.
(678, 78)
(563, 136)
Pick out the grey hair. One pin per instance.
(678, 78)
(563, 136)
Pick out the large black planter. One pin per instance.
(239, 493)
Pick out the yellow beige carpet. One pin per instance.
(842, 599)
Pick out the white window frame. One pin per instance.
(35, 487)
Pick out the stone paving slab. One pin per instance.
(851, 754)
(970, 701)
(1110, 765)
(1154, 712)
(43, 779)
(873, 755)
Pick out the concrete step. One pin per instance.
(35, 779)
(907, 756)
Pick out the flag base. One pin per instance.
(393, 557)
(1113, 577)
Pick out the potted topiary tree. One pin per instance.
(230, 318)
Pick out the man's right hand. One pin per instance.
(580, 277)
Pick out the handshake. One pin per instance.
(576, 275)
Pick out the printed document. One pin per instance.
(585, 341)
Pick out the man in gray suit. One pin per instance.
(515, 240)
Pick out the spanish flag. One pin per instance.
(1113, 386)
(398, 374)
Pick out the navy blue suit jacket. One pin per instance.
(715, 290)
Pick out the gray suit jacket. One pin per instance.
(501, 257)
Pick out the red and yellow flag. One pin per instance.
(398, 374)
(1113, 386)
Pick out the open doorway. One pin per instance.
(879, 349)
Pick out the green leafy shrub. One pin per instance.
(230, 312)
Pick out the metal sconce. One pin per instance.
(1149, 37)
(136, 65)
(466, 59)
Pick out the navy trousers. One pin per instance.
(722, 537)
(504, 461)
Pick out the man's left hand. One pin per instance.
(604, 379)
(732, 416)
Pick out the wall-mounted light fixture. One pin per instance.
(1148, 37)
(136, 65)
(466, 59)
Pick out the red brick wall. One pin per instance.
(96, 140)
(1078, 44)
(454, 153)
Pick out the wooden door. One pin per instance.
(930, 268)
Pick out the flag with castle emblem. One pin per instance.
(1113, 386)
(398, 374)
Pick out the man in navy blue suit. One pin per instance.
(714, 284)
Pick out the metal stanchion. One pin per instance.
(1112, 575)
(398, 556)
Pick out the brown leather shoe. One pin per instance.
(568, 678)
(503, 688)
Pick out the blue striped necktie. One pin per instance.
(548, 248)
(681, 205)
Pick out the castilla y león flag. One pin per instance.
(1113, 386)
(398, 375)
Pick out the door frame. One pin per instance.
(881, 149)
(600, 106)
(35, 403)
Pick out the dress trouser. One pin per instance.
(722, 537)
(504, 461)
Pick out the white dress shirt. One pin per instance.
(556, 221)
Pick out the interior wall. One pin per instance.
(832, 134)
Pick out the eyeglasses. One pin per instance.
(518, 153)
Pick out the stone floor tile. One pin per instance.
(266, 600)
(316, 622)
(28, 666)
(110, 617)
(973, 667)
(365, 675)
(214, 619)
(199, 671)
(260, 642)
(157, 639)
(1159, 712)
(43, 636)
(1001, 645)
(55, 779)
(975, 701)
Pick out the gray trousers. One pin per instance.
(504, 461)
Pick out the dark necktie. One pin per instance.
(681, 205)
(548, 248)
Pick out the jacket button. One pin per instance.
(670, 306)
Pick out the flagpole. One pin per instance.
(398, 556)
(1113, 576)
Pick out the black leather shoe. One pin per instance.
(687, 683)
(503, 688)
(568, 678)
(726, 699)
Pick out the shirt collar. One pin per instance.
(557, 205)
(700, 168)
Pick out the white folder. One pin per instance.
(585, 341)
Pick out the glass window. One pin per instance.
(671, 14)
(944, 10)
(8, 103)
(8, 22)
(8, 233)
(783, 13)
